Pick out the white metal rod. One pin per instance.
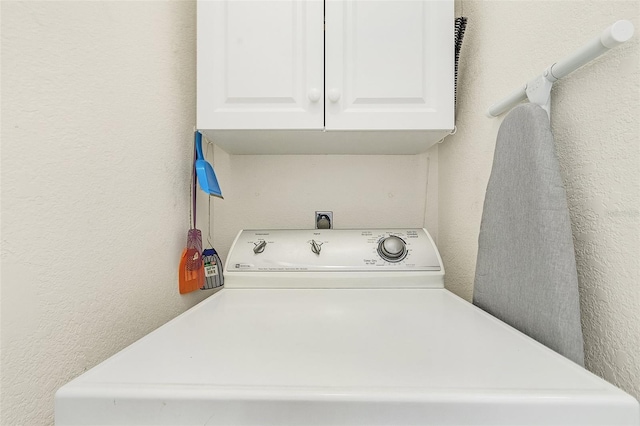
(507, 103)
(611, 37)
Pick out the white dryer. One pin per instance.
(339, 327)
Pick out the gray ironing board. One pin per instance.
(526, 270)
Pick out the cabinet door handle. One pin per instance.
(334, 95)
(314, 95)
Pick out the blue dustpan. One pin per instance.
(206, 176)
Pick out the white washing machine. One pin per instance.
(338, 327)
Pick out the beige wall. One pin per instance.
(97, 115)
(284, 191)
(595, 122)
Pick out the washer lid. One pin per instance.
(382, 356)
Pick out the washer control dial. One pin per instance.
(392, 249)
(259, 246)
(316, 247)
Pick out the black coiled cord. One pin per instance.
(461, 25)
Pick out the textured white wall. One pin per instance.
(595, 122)
(98, 106)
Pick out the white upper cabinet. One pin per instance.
(389, 65)
(339, 76)
(260, 64)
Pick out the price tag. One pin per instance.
(210, 270)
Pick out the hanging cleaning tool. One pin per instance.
(213, 273)
(212, 269)
(194, 266)
(206, 175)
(191, 269)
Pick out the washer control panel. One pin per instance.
(333, 250)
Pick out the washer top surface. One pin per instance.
(403, 341)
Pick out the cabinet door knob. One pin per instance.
(334, 95)
(314, 95)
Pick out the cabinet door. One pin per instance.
(260, 64)
(389, 64)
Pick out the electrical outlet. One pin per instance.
(321, 219)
